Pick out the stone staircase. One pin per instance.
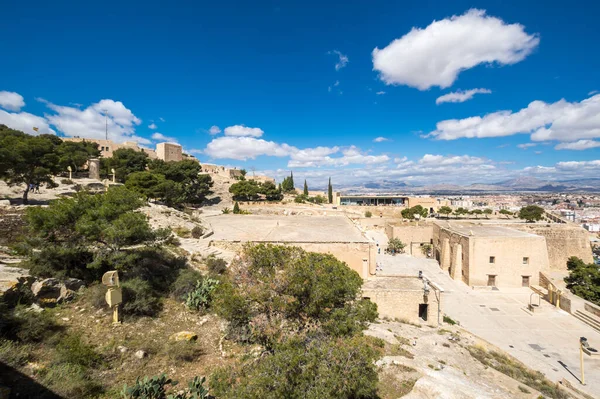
(588, 319)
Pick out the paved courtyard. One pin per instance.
(547, 340)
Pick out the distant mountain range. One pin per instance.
(519, 184)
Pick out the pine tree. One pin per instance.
(236, 208)
(305, 188)
(330, 192)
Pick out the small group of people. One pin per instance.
(378, 266)
(34, 188)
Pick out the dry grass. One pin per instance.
(392, 386)
(518, 371)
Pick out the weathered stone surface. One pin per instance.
(184, 336)
(140, 354)
(74, 284)
(65, 294)
(48, 288)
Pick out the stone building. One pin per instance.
(416, 236)
(169, 152)
(107, 147)
(487, 255)
(334, 235)
(407, 298)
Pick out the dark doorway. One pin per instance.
(525, 281)
(491, 280)
(423, 311)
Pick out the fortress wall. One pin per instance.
(563, 241)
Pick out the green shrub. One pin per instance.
(156, 388)
(448, 320)
(236, 208)
(95, 295)
(28, 326)
(313, 369)
(226, 211)
(197, 232)
(216, 265)
(139, 299)
(71, 349)
(66, 181)
(185, 283)
(182, 232)
(368, 214)
(70, 381)
(201, 297)
(14, 354)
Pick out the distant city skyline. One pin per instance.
(455, 93)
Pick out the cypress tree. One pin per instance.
(305, 188)
(330, 192)
(236, 208)
(292, 180)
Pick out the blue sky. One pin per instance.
(300, 87)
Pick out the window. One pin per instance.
(525, 260)
(101, 148)
(107, 149)
(492, 259)
(525, 281)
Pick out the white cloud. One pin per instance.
(161, 119)
(214, 130)
(11, 101)
(561, 121)
(244, 148)
(435, 56)
(25, 122)
(591, 93)
(526, 145)
(152, 126)
(161, 137)
(243, 131)
(578, 145)
(380, 139)
(380, 93)
(460, 96)
(342, 59)
(429, 159)
(91, 121)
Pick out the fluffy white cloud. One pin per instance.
(244, 148)
(434, 56)
(342, 59)
(380, 93)
(526, 145)
(214, 130)
(11, 101)
(243, 131)
(429, 159)
(380, 139)
(152, 126)
(161, 137)
(561, 121)
(91, 121)
(460, 96)
(25, 122)
(578, 145)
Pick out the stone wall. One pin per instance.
(360, 257)
(413, 235)
(12, 225)
(563, 241)
(403, 304)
